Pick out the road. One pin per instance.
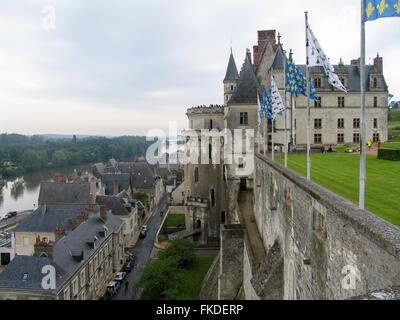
(143, 251)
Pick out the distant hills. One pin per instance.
(68, 136)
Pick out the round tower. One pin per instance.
(231, 79)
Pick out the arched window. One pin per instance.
(223, 217)
(210, 153)
(196, 175)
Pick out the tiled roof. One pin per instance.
(231, 71)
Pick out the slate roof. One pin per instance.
(77, 241)
(353, 77)
(113, 203)
(143, 178)
(12, 276)
(123, 182)
(247, 86)
(64, 193)
(231, 71)
(279, 61)
(56, 215)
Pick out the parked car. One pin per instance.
(142, 233)
(131, 258)
(120, 276)
(145, 227)
(13, 213)
(128, 266)
(112, 287)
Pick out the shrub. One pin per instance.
(180, 249)
(389, 154)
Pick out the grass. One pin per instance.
(194, 275)
(175, 220)
(2, 268)
(394, 146)
(340, 173)
(395, 139)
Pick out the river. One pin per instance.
(21, 193)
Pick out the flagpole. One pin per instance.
(273, 149)
(284, 92)
(265, 135)
(363, 164)
(308, 106)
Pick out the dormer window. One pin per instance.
(375, 82)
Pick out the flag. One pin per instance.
(276, 99)
(317, 57)
(296, 81)
(267, 108)
(259, 110)
(375, 9)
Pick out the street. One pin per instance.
(143, 251)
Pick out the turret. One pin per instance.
(231, 79)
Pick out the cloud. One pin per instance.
(124, 67)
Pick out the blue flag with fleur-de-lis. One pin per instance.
(376, 9)
(296, 81)
(267, 107)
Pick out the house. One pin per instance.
(84, 260)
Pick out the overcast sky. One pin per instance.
(123, 67)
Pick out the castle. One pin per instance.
(279, 234)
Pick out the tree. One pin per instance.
(160, 279)
(180, 249)
(15, 155)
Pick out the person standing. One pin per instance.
(379, 144)
(322, 149)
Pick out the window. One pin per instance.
(83, 278)
(356, 123)
(211, 124)
(317, 82)
(375, 123)
(376, 137)
(196, 175)
(25, 241)
(317, 138)
(231, 88)
(317, 123)
(341, 102)
(340, 123)
(375, 102)
(318, 102)
(96, 262)
(67, 294)
(244, 118)
(356, 137)
(340, 137)
(75, 286)
(375, 82)
(90, 267)
(213, 203)
(223, 217)
(342, 81)
(210, 153)
(191, 124)
(241, 163)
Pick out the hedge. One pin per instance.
(389, 154)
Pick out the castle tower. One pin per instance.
(231, 79)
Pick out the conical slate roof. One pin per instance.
(247, 87)
(231, 72)
(279, 62)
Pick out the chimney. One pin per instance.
(378, 63)
(70, 225)
(115, 189)
(44, 207)
(356, 62)
(80, 218)
(41, 247)
(93, 191)
(103, 211)
(56, 177)
(60, 232)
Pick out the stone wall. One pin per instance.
(209, 287)
(331, 249)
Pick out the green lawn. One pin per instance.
(175, 220)
(194, 275)
(340, 173)
(395, 146)
(394, 126)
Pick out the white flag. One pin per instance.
(277, 103)
(317, 57)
